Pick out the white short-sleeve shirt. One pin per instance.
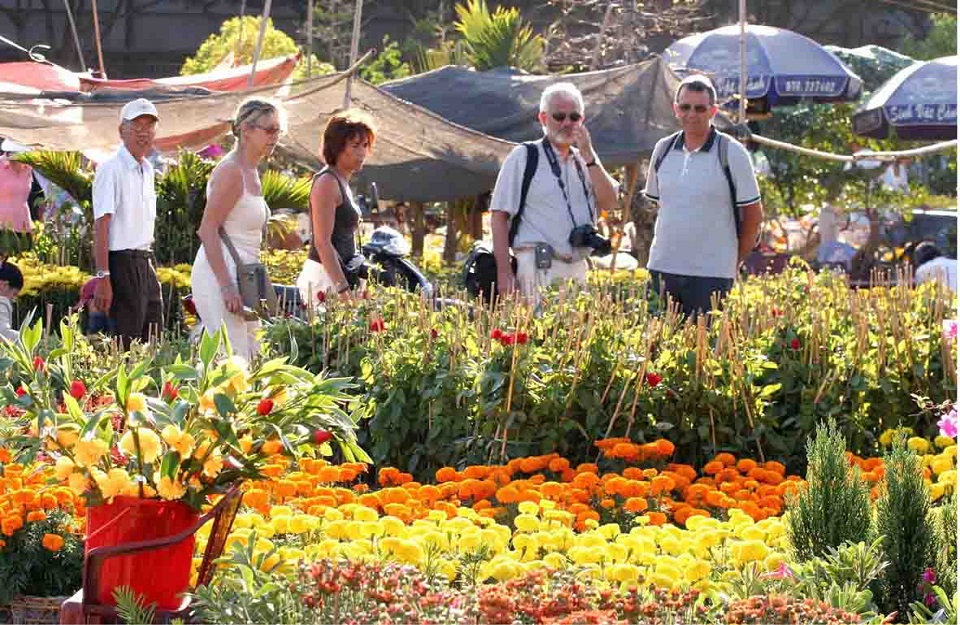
(695, 233)
(125, 189)
(545, 218)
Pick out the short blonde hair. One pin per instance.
(252, 109)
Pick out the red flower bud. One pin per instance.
(39, 364)
(522, 338)
(321, 436)
(433, 333)
(795, 344)
(170, 392)
(21, 391)
(321, 296)
(78, 390)
(377, 325)
(508, 339)
(265, 407)
(496, 334)
(653, 379)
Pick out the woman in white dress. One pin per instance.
(235, 203)
(334, 216)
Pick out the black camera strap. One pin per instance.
(555, 168)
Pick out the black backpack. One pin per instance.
(722, 141)
(480, 266)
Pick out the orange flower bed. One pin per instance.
(673, 492)
(27, 496)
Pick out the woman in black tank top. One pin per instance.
(334, 216)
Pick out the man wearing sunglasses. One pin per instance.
(566, 189)
(709, 203)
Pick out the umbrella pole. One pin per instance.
(263, 32)
(310, 38)
(96, 34)
(743, 61)
(354, 49)
(76, 37)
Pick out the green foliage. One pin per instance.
(842, 577)
(28, 568)
(940, 41)
(64, 169)
(498, 39)
(448, 53)
(237, 41)
(947, 612)
(944, 521)
(902, 522)
(387, 65)
(834, 507)
(181, 197)
(131, 607)
(283, 191)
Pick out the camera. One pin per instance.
(585, 235)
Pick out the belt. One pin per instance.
(148, 254)
(563, 258)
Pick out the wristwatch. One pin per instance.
(103, 274)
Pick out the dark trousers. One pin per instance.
(137, 308)
(693, 293)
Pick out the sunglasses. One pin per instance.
(574, 116)
(270, 130)
(699, 108)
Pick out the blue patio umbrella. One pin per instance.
(918, 103)
(783, 67)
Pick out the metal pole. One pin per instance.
(96, 34)
(354, 49)
(76, 37)
(310, 38)
(743, 61)
(239, 47)
(263, 31)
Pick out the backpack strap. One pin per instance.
(533, 159)
(722, 148)
(658, 158)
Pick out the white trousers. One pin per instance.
(531, 280)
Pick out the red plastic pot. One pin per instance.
(160, 576)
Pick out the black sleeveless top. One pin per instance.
(345, 221)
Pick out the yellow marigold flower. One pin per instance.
(213, 465)
(89, 451)
(64, 467)
(281, 524)
(555, 560)
(937, 491)
(941, 464)
(887, 437)
(150, 447)
(67, 437)
(180, 441)
(623, 573)
(137, 402)
(696, 570)
(115, 482)
(527, 522)
(748, 551)
(78, 483)
(943, 442)
(170, 489)
(528, 507)
(918, 444)
(52, 542)
(948, 477)
(246, 444)
(773, 561)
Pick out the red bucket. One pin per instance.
(160, 576)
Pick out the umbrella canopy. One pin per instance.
(917, 103)
(783, 67)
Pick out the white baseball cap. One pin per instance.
(138, 107)
(9, 145)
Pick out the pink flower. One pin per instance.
(783, 572)
(950, 329)
(948, 423)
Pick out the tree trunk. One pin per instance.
(419, 228)
(476, 219)
(450, 243)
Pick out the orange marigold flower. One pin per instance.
(607, 503)
(657, 518)
(36, 515)
(745, 465)
(5, 455)
(52, 542)
(559, 465)
(726, 459)
(476, 472)
(776, 467)
(665, 448)
(635, 505)
(662, 484)
(447, 474)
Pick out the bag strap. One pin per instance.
(343, 198)
(725, 165)
(533, 160)
(659, 158)
(233, 251)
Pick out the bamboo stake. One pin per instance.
(259, 47)
(96, 35)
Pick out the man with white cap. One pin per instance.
(124, 210)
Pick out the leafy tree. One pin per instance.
(940, 41)
(387, 65)
(238, 37)
(498, 39)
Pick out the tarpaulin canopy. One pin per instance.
(627, 108)
(418, 155)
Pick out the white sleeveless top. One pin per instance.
(244, 226)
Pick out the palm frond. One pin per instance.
(281, 191)
(500, 39)
(64, 169)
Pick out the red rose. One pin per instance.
(508, 339)
(39, 364)
(321, 436)
(496, 334)
(78, 390)
(265, 407)
(795, 344)
(377, 325)
(170, 392)
(522, 338)
(776, 312)
(321, 296)
(21, 391)
(653, 379)
(433, 333)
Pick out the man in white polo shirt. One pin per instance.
(568, 190)
(124, 210)
(697, 244)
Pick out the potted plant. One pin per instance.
(41, 548)
(165, 444)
